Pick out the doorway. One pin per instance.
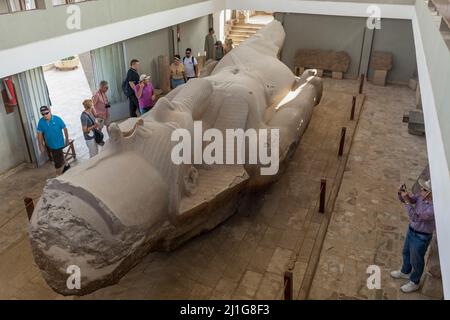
(69, 82)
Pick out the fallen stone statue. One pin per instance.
(146, 192)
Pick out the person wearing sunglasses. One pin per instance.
(50, 131)
(190, 65)
(420, 232)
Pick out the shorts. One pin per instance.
(58, 157)
(177, 82)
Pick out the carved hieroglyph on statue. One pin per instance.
(106, 214)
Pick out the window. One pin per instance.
(9, 6)
(62, 2)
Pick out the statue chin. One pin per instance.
(103, 216)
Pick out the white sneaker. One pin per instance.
(410, 287)
(399, 275)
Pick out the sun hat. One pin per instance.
(44, 109)
(425, 184)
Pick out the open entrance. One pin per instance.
(239, 25)
(70, 81)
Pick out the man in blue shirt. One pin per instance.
(50, 135)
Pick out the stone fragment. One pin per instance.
(381, 60)
(323, 59)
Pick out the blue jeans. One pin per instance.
(414, 251)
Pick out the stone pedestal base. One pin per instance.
(412, 84)
(379, 77)
(337, 75)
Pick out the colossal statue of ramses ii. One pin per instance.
(159, 181)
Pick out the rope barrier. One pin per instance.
(27, 206)
(342, 143)
(288, 286)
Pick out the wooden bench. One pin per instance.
(68, 151)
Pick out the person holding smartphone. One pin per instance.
(101, 104)
(420, 232)
(53, 134)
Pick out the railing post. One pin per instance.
(342, 144)
(323, 193)
(288, 286)
(361, 83)
(29, 206)
(352, 116)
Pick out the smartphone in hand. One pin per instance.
(402, 189)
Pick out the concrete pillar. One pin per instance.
(366, 51)
(418, 98)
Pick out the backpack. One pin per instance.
(193, 61)
(126, 88)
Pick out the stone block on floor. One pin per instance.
(337, 75)
(379, 77)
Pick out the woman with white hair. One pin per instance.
(420, 232)
(145, 94)
(101, 103)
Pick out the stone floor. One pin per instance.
(281, 229)
(20, 278)
(369, 223)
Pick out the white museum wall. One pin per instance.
(12, 143)
(433, 59)
(147, 48)
(304, 31)
(193, 35)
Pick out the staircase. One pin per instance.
(440, 11)
(241, 31)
